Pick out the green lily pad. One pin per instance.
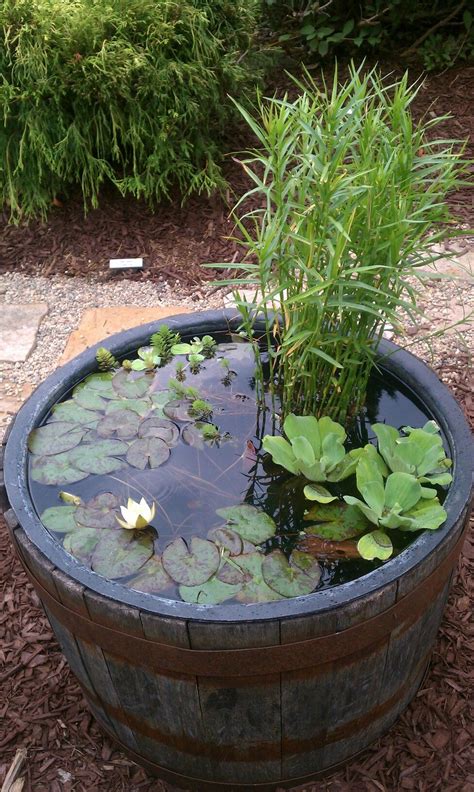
(99, 457)
(100, 381)
(89, 399)
(249, 522)
(55, 437)
(73, 413)
(231, 573)
(131, 385)
(60, 519)
(55, 470)
(160, 428)
(152, 578)
(178, 410)
(121, 553)
(148, 451)
(211, 593)
(337, 521)
(139, 406)
(375, 544)
(121, 423)
(82, 543)
(254, 588)
(294, 578)
(193, 565)
(226, 538)
(100, 512)
(159, 399)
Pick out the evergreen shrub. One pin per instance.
(132, 92)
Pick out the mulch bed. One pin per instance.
(42, 708)
(174, 240)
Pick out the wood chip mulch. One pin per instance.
(431, 747)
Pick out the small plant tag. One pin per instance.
(125, 263)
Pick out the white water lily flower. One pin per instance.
(136, 515)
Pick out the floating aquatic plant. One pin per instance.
(136, 515)
(105, 360)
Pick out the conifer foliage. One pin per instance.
(132, 92)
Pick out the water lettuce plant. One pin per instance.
(419, 452)
(398, 502)
(314, 449)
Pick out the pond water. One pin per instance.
(129, 435)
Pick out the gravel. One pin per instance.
(67, 299)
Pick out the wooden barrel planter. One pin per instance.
(245, 696)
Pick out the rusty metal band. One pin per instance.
(257, 751)
(220, 754)
(256, 661)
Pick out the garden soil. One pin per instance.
(42, 709)
(174, 240)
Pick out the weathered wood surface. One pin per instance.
(268, 728)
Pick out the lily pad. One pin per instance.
(60, 519)
(211, 593)
(231, 573)
(254, 588)
(89, 399)
(81, 543)
(151, 578)
(131, 385)
(300, 575)
(249, 522)
(148, 451)
(160, 428)
(121, 553)
(100, 512)
(192, 436)
(226, 538)
(139, 406)
(99, 457)
(121, 423)
(193, 565)
(337, 521)
(73, 413)
(159, 399)
(100, 381)
(55, 437)
(55, 470)
(178, 410)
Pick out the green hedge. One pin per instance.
(438, 31)
(133, 92)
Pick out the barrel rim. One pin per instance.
(414, 374)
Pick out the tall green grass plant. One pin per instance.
(132, 92)
(347, 205)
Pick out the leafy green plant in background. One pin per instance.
(130, 92)
(348, 203)
(439, 32)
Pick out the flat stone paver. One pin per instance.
(19, 324)
(99, 323)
